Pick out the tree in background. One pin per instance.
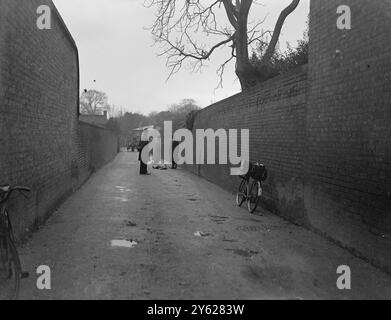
(190, 118)
(124, 125)
(93, 102)
(178, 26)
(177, 113)
(114, 126)
(130, 121)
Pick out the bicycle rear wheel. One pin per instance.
(253, 196)
(10, 269)
(241, 195)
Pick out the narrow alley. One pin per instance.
(186, 239)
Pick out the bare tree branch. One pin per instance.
(277, 30)
(179, 25)
(93, 102)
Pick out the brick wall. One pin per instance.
(324, 133)
(42, 144)
(348, 164)
(275, 114)
(95, 147)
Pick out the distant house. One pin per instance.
(97, 120)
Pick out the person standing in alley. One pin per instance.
(143, 166)
(142, 144)
(174, 145)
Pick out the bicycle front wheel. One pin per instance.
(10, 270)
(253, 196)
(241, 195)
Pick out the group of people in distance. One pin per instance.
(143, 165)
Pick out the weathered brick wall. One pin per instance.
(326, 139)
(348, 164)
(41, 141)
(95, 147)
(275, 114)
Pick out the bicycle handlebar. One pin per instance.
(6, 191)
(22, 189)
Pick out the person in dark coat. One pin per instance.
(143, 166)
(174, 145)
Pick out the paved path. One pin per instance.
(239, 256)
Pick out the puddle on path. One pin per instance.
(244, 253)
(123, 189)
(219, 219)
(123, 243)
(201, 234)
(130, 224)
(122, 199)
(258, 228)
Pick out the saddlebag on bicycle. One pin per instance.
(258, 172)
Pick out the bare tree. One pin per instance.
(93, 102)
(178, 23)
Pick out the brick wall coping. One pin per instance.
(298, 70)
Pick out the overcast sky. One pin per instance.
(117, 51)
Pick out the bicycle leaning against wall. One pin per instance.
(250, 188)
(10, 266)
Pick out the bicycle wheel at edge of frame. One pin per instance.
(13, 269)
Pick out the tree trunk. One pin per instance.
(245, 71)
(248, 75)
